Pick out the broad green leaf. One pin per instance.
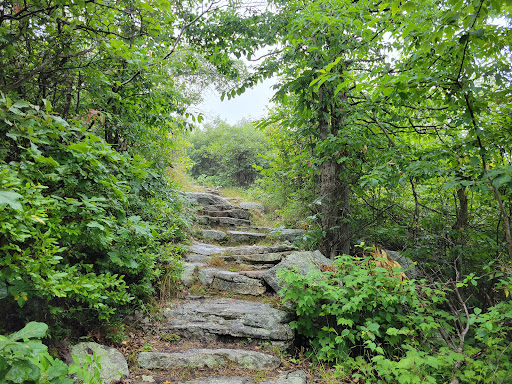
(11, 198)
(31, 330)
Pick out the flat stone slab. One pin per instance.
(223, 318)
(253, 249)
(234, 212)
(293, 377)
(226, 221)
(241, 237)
(210, 249)
(253, 274)
(205, 249)
(257, 258)
(237, 283)
(221, 380)
(208, 358)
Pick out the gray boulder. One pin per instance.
(113, 363)
(208, 358)
(303, 262)
(207, 199)
(218, 318)
(188, 273)
(206, 275)
(407, 264)
(290, 235)
(212, 234)
(252, 206)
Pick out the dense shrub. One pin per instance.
(363, 317)
(227, 155)
(84, 228)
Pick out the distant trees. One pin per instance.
(227, 155)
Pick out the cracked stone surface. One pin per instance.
(210, 358)
(237, 283)
(293, 377)
(241, 237)
(217, 318)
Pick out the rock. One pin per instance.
(206, 275)
(237, 213)
(222, 318)
(292, 377)
(196, 258)
(112, 361)
(212, 234)
(258, 258)
(205, 249)
(253, 274)
(252, 206)
(303, 261)
(245, 237)
(187, 275)
(148, 379)
(253, 249)
(207, 199)
(208, 358)
(290, 235)
(237, 283)
(407, 264)
(221, 380)
(226, 221)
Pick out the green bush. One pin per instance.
(362, 317)
(25, 359)
(227, 155)
(84, 228)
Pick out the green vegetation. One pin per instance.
(226, 155)
(391, 126)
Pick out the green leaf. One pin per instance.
(31, 330)
(11, 198)
(22, 371)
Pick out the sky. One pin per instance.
(252, 104)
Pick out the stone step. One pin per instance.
(213, 234)
(237, 213)
(210, 249)
(208, 199)
(208, 358)
(291, 377)
(222, 221)
(237, 237)
(271, 258)
(231, 281)
(223, 319)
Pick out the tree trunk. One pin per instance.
(334, 190)
(335, 209)
(463, 213)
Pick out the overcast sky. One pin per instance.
(252, 104)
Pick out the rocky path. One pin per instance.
(230, 328)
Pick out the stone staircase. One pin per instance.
(228, 330)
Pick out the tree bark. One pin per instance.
(334, 190)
